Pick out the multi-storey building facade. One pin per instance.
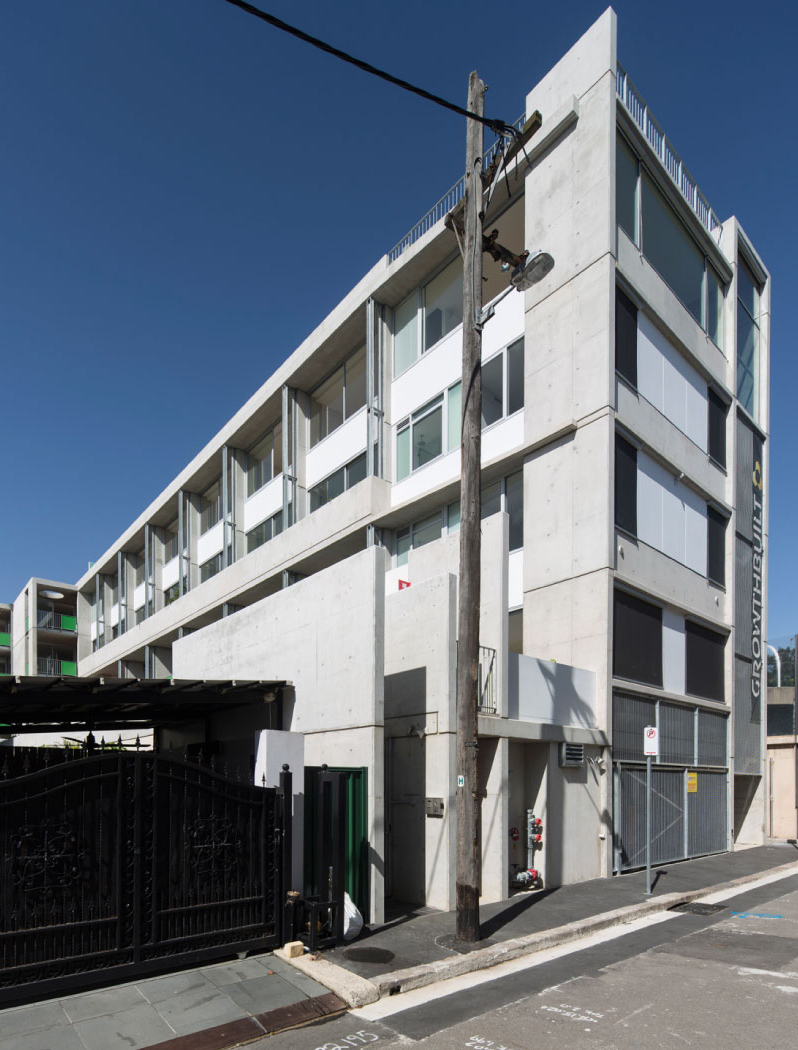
(624, 493)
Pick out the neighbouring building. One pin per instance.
(314, 540)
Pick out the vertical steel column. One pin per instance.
(181, 521)
(289, 482)
(225, 501)
(121, 593)
(147, 542)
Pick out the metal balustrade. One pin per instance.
(449, 200)
(680, 176)
(53, 621)
(487, 680)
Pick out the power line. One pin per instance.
(498, 127)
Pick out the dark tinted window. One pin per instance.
(716, 546)
(717, 427)
(637, 640)
(625, 337)
(625, 485)
(704, 662)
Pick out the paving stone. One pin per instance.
(98, 1004)
(197, 1009)
(62, 1037)
(20, 1020)
(159, 988)
(141, 1026)
(238, 970)
(263, 993)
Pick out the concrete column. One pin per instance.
(84, 626)
(494, 781)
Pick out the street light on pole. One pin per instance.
(526, 270)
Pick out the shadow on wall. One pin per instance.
(549, 692)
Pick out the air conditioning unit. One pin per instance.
(572, 754)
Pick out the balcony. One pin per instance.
(56, 668)
(5, 638)
(48, 620)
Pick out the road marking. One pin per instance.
(395, 1004)
(755, 915)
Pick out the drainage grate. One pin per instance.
(696, 908)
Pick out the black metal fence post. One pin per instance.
(285, 859)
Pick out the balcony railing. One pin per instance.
(50, 665)
(5, 639)
(680, 176)
(53, 621)
(448, 201)
(487, 680)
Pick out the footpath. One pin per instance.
(233, 1003)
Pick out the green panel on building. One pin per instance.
(5, 638)
(69, 623)
(69, 667)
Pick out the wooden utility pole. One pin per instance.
(468, 801)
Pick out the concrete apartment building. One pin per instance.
(313, 542)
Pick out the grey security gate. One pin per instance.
(689, 810)
(118, 863)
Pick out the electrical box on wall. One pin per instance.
(572, 754)
(433, 807)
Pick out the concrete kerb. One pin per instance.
(359, 991)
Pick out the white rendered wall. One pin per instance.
(325, 635)
(210, 543)
(348, 441)
(263, 503)
(170, 572)
(550, 692)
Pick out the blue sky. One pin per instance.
(186, 192)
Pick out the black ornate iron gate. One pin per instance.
(117, 863)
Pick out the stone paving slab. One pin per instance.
(223, 999)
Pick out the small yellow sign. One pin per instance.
(692, 783)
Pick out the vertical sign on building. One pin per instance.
(756, 572)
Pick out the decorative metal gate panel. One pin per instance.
(117, 863)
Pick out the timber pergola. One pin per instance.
(39, 704)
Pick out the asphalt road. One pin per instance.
(724, 980)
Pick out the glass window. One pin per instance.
(747, 339)
(402, 546)
(403, 452)
(454, 416)
(514, 495)
(356, 470)
(704, 650)
(327, 407)
(715, 294)
(716, 546)
(427, 436)
(405, 334)
(491, 499)
(443, 303)
(625, 485)
(453, 516)
(355, 380)
(139, 564)
(492, 390)
(747, 359)
(427, 530)
(625, 337)
(626, 189)
(259, 464)
(747, 290)
(171, 542)
(265, 531)
(515, 376)
(211, 506)
(211, 567)
(717, 409)
(637, 640)
(672, 252)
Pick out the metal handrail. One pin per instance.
(54, 621)
(448, 201)
(487, 680)
(657, 139)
